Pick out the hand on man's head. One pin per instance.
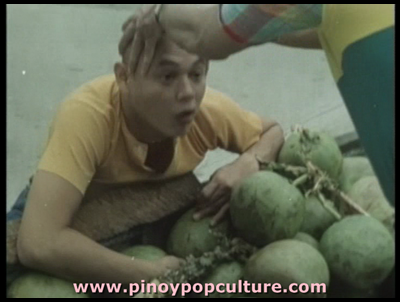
(141, 35)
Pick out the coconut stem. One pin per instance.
(319, 178)
(326, 205)
(296, 171)
(297, 128)
(306, 134)
(324, 181)
(300, 181)
(350, 202)
(317, 186)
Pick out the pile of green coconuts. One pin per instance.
(315, 216)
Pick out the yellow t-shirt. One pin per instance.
(344, 24)
(90, 145)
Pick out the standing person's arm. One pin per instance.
(307, 39)
(216, 31)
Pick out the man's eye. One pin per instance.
(197, 75)
(168, 77)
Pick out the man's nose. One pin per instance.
(186, 90)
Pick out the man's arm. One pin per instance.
(216, 194)
(47, 243)
(76, 148)
(270, 143)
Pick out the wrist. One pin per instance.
(153, 271)
(250, 159)
(146, 270)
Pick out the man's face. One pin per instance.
(168, 97)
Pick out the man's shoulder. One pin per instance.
(102, 86)
(215, 100)
(213, 93)
(214, 108)
(101, 81)
(218, 107)
(99, 94)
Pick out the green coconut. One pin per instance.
(190, 237)
(226, 273)
(39, 285)
(306, 238)
(353, 169)
(359, 251)
(266, 208)
(317, 219)
(145, 252)
(286, 262)
(319, 148)
(367, 193)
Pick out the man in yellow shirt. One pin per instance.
(127, 128)
(358, 40)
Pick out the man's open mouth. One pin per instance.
(186, 117)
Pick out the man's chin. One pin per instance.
(182, 131)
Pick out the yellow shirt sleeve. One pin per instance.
(77, 144)
(226, 125)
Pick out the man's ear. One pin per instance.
(121, 73)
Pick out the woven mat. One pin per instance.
(118, 216)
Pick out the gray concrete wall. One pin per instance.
(54, 48)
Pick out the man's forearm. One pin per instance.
(197, 28)
(74, 257)
(217, 31)
(307, 39)
(269, 145)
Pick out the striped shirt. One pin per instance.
(261, 23)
